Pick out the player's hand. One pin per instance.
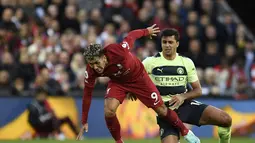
(176, 100)
(85, 128)
(131, 96)
(153, 30)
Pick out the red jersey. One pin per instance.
(123, 67)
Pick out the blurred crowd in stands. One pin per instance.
(41, 42)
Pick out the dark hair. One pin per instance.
(170, 32)
(40, 90)
(93, 51)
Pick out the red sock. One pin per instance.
(114, 127)
(174, 120)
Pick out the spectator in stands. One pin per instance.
(249, 58)
(48, 34)
(53, 12)
(149, 49)
(7, 19)
(160, 18)
(223, 79)
(191, 32)
(52, 86)
(230, 28)
(77, 63)
(148, 6)
(83, 20)
(142, 20)
(7, 63)
(43, 119)
(64, 59)
(70, 21)
(210, 86)
(96, 19)
(195, 53)
(174, 22)
(109, 30)
(192, 18)
(19, 18)
(18, 87)
(124, 29)
(25, 35)
(116, 12)
(252, 73)
(211, 57)
(239, 79)
(230, 54)
(4, 83)
(210, 34)
(25, 69)
(240, 36)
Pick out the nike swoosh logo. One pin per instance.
(156, 103)
(108, 90)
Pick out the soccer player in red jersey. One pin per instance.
(127, 74)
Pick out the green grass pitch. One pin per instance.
(234, 140)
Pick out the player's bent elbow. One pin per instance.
(199, 92)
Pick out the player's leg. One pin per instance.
(218, 117)
(148, 94)
(168, 133)
(170, 139)
(172, 119)
(114, 97)
(197, 113)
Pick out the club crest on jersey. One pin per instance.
(119, 66)
(180, 71)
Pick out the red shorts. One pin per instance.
(143, 88)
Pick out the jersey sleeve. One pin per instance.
(191, 69)
(89, 77)
(146, 63)
(128, 42)
(89, 83)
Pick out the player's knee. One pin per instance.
(109, 112)
(110, 107)
(226, 119)
(161, 110)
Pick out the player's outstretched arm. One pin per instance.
(136, 34)
(86, 101)
(89, 83)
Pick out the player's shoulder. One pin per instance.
(89, 71)
(111, 47)
(114, 49)
(150, 59)
(158, 55)
(186, 59)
